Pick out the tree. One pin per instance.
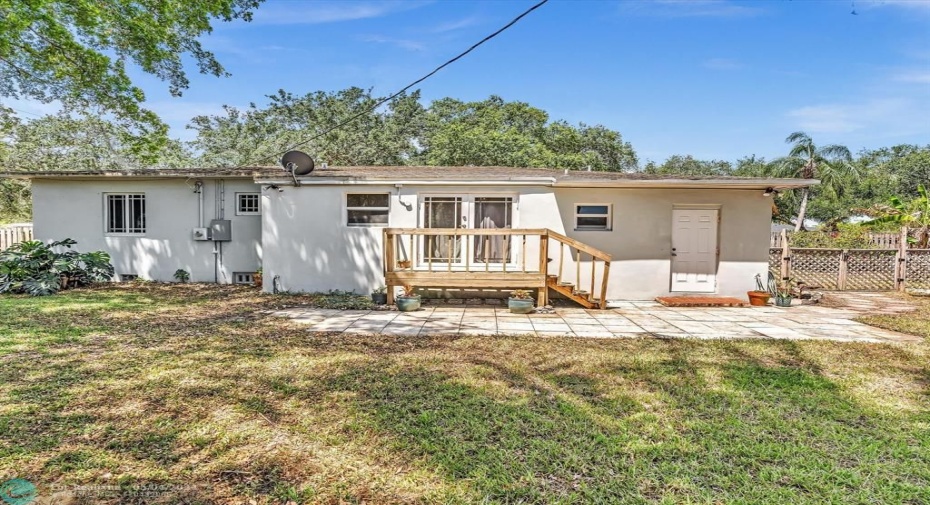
(914, 213)
(257, 135)
(76, 51)
(829, 163)
(494, 132)
(689, 166)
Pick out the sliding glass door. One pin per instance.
(474, 212)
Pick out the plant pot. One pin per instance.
(758, 298)
(379, 298)
(257, 280)
(783, 301)
(520, 305)
(403, 264)
(408, 303)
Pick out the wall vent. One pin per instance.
(243, 278)
(128, 277)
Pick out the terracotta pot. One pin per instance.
(758, 298)
(257, 280)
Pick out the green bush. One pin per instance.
(846, 236)
(37, 269)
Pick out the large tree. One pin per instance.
(77, 51)
(831, 164)
(384, 136)
(688, 165)
(497, 132)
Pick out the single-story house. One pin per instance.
(592, 236)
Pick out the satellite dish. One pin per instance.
(297, 163)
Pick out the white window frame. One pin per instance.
(244, 278)
(609, 215)
(126, 214)
(346, 209)
(239, 199)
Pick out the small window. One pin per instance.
(248, 204)
(243, 278)
(367, 209)
(592, 216)
(125, 214)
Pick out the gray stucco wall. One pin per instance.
(75, 209)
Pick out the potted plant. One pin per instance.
(257, 278)
(409, 301)
(520, 302)
(783, 295)
(182, 275)
(379, 296)
(759, 297)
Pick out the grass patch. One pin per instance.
(913, 323)
(192, 393)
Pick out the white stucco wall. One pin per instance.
(307, 243)
(75, 209)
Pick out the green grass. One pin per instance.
(914, 323)
(197, 391)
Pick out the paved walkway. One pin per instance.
(623, 319)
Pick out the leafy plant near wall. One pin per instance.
(39, 269)
(182, 275)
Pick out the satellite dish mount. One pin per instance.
(297, 163)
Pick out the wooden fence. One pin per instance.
(852, 269)
(879, 240)
(14, 234)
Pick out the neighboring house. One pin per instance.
(634, 236)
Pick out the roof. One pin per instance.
(434, 175)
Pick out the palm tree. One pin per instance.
(831, 164)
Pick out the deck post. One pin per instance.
(543, 295)
(606, 275)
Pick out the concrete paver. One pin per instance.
(625, 319)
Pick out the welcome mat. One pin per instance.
(701, 301)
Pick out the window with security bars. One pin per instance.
(125, 213)
(248, 204)
(367, 209)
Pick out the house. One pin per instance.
(590, 236)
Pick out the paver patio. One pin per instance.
(621, 320)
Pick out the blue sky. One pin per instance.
(712, 78)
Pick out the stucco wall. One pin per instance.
(309, 246)
(75, 209)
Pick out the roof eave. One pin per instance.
(745, 184)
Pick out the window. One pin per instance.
(590, 216)
(367, 209)
(125, 214)
(243, 278)
(248, 204)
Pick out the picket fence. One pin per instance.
(885, 269)
(14, 234)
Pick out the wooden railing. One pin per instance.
(496, 258)
(14, 234)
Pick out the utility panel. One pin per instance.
(221, 230)
(201, 233)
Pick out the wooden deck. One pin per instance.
(517, 258)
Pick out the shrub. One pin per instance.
(37, 269)
(182, 275)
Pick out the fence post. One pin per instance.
(785, 256)
(841, 276)
(901, 261)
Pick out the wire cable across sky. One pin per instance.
(407, 87)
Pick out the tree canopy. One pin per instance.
(77, 51)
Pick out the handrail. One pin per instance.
(465, 231)
(593, 251)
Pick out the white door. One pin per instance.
(694, 250)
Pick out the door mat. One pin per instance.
(701, 301)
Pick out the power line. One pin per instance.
(412, 84)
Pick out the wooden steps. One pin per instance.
(567, 290)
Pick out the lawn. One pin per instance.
(158, 393)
